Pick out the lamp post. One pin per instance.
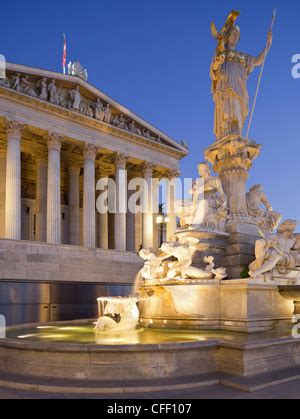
(162, 219)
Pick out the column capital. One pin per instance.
(172, 174)
(89, 151)
(234, 154)
(41, 157)
(3, 149)
(74, 166)
(148, 169)
(120, 160)
(14, 128)
(54, 141)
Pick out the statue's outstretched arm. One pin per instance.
(260, 59)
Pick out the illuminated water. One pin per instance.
(85, 334)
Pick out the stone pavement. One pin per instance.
(289, 390)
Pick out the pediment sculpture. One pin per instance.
(48, 90)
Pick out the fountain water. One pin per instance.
(117, 314)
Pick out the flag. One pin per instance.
(64, 57)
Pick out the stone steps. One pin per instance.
(246, 384)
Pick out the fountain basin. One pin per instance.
(237, 305)
(179, 355)
(54, 351)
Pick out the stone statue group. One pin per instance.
(173, 262)
(209, 209)
(48, 90)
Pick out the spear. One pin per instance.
(260, 78)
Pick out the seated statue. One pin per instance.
(267, 219)
(280, 251)
(208, 207)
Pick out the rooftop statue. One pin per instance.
(229, 72)
(77, 69)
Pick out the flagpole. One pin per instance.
(64, 57)
(260, 78)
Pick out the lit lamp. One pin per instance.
(162, 219)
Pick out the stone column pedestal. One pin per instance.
(103, 231)
(232, 159)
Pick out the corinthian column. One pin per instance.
(54, 142)
(121, 202)
(89, 214)
(13, 181)
(74, 202)
(103, 172)
(171, 175)
(2, 187)
(148, 207)
(41, 159)
(130, 226)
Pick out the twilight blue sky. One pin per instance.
(153, 56)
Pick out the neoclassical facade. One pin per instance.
(58, 136)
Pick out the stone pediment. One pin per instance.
(75, 95)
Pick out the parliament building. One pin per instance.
(58, 136)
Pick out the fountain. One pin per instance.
(124, 309)
(219, 296)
